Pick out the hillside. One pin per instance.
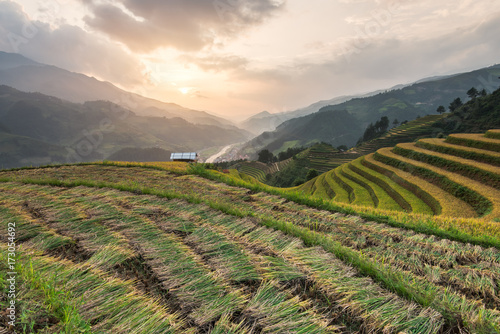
(323, 157)
(320, 157)
(148, 250)
(39, 129)
(427, 126)
(407, 103)
(458, 176)
(265, 121)
(323, 126)
(29, 76)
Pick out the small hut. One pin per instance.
(184, 157)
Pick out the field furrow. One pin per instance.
(360, 194)
(241, 268)
(262, 239)
(476, 154)
(385, 201)
(376, 278)
(405, 198)
(341, 195)
(481, 172)
(441, 202)
(476, 140)
(86, 300)
(484, 200)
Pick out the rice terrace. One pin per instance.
(404, 240)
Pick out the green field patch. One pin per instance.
(484, 200)
(384, 200)
(439, 145)
(474, 140)
(362, 195)
(484, 173)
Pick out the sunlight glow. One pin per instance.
(185, 90)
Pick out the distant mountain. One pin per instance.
(13, 60)
(40, 129)
(29, 76)
(265, 121)
(336, 128)
(405, 103)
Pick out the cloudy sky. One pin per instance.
(239, 57)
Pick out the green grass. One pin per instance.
(404, 197)
(341, 195)
(483, 173)
(495, 134)
(478, 202)
(474, 140)
(385, 200)
(361, 195)
(439, 145)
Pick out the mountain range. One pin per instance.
(49, 115)
(265, 121)
(27, 75)
(40, 129)
(343, 123)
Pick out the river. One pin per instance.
(216, 155)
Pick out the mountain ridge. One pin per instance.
(406, 103)
(65, 131)
(27, 75)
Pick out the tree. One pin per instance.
(483, 92)
(472, 93)
(370, 132)
(441, 109)
(376, 130)
(266, 156)
(455, 104)
(298, 182)
(311, 174)
(384, 124)
(395, 122)
(290, 152)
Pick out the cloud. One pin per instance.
(382, 56)
(215, 63)
(67, 46)
(385, 62)
(186, 25)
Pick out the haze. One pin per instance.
(237, 58)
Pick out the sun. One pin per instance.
(185, 90)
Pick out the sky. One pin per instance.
(236, 58)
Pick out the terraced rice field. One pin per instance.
(255, 169)
(408, 132)
(324, 157)
(259, 170)
(117, 249)
(457, 177)
(421, 127)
